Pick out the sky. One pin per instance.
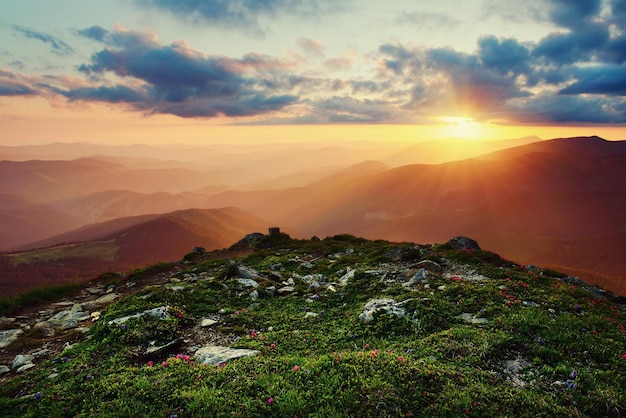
(201, 71)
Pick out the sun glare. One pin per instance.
(460, 127)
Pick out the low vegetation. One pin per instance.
(483, 337)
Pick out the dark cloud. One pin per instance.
(602, 80)
(573, 13)
(58, 46)
(575, 46)
(504, 56)
(178, 80)
(97, 33)
(238, 14)
(12, 85)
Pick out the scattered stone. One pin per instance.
(429, 266)
(95, 290)
(442, 287)
(67, 319)
(530, 304)
(254, 295)
(8, 336)
(532, 268)
(463, 243)
(271, 290)
(348, 276)
(310, 315)
(5, 321)
(21, 360)
(95, 316)
(213, 354)
(4, 369)
(25, 367)
(389, 306)
(176, 288)
(161, 312)
(244, 272)
(471, 319)
(286, 289)
(41, 353)
(416, 278)
(248, 282)
(331, 288)
(207, 322)
(45, 329)
(512, 369)
(573, 280)
(152, 350)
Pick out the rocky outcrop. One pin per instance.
(213, 354)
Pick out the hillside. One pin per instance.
(570, 188)
(125, 244)
(335, 327)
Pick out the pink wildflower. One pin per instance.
(270, 400)
(296, 368)
(624, 356)
(272, 345)
(150, 363)
(253, 334)
(400, 359)
(164, 364)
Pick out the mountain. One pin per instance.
(565, 188)
(319, 328)
(123, 244)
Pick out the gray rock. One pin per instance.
(574, 280)
(4, 369)
(471, 319)
(161, 312)
(286, 289)
(163, 348)
(271, 290)
(254, 295)
(5, 321)
(386, 305)
(310, 315)
(463, 243)
(244, 272)
(213, 354)
(207, 322)
(248, 282)
(418, 277)
(67, 319)
(41, 353)
(25, 367)
(8, 336)
(429, 266)
(21, 360)
(313, 278)
(343, 280)
(45, 329)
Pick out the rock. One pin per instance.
(254, 295)
(5, 321)
(207, 322)
(163, 348)
(41, 353)
(248, 282)
(389, 306)
(463, 243)
(530, 304)
(21, 360)
(212, 354)
(442, 287)
(429, 265)
(45, 329)
(512, 369)
(244, 272)
(249, 240)
(349, 275)
(471, 319)
(25, 367)
(95, 316)
(532, 268)
(95, 290)
(4, 369)
(310, 315)
(573, 280)
(314, 278)
(286, 289)
(8, 336)
(271, 290)
(419, 276)
(66, 319)
(161, 312)
(101, 301)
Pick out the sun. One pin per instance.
(460, 127)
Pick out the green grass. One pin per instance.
(430, 363)
(37, 296)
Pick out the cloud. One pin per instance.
(427, 20)
(602, 80)
(178, 80)
(58, 46)
(311, 47)
(243, 14)
(576, 46)
(12, 85)
(573, 14)
(97, 33)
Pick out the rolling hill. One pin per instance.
(124, 244)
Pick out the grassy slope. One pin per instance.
(429, 364)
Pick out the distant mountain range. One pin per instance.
(557, 202)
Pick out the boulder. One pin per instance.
(463, 243)
(21, 360)
(161, 312)
(385, 305)
(213, 354)
(8, 336)
(429, 265)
